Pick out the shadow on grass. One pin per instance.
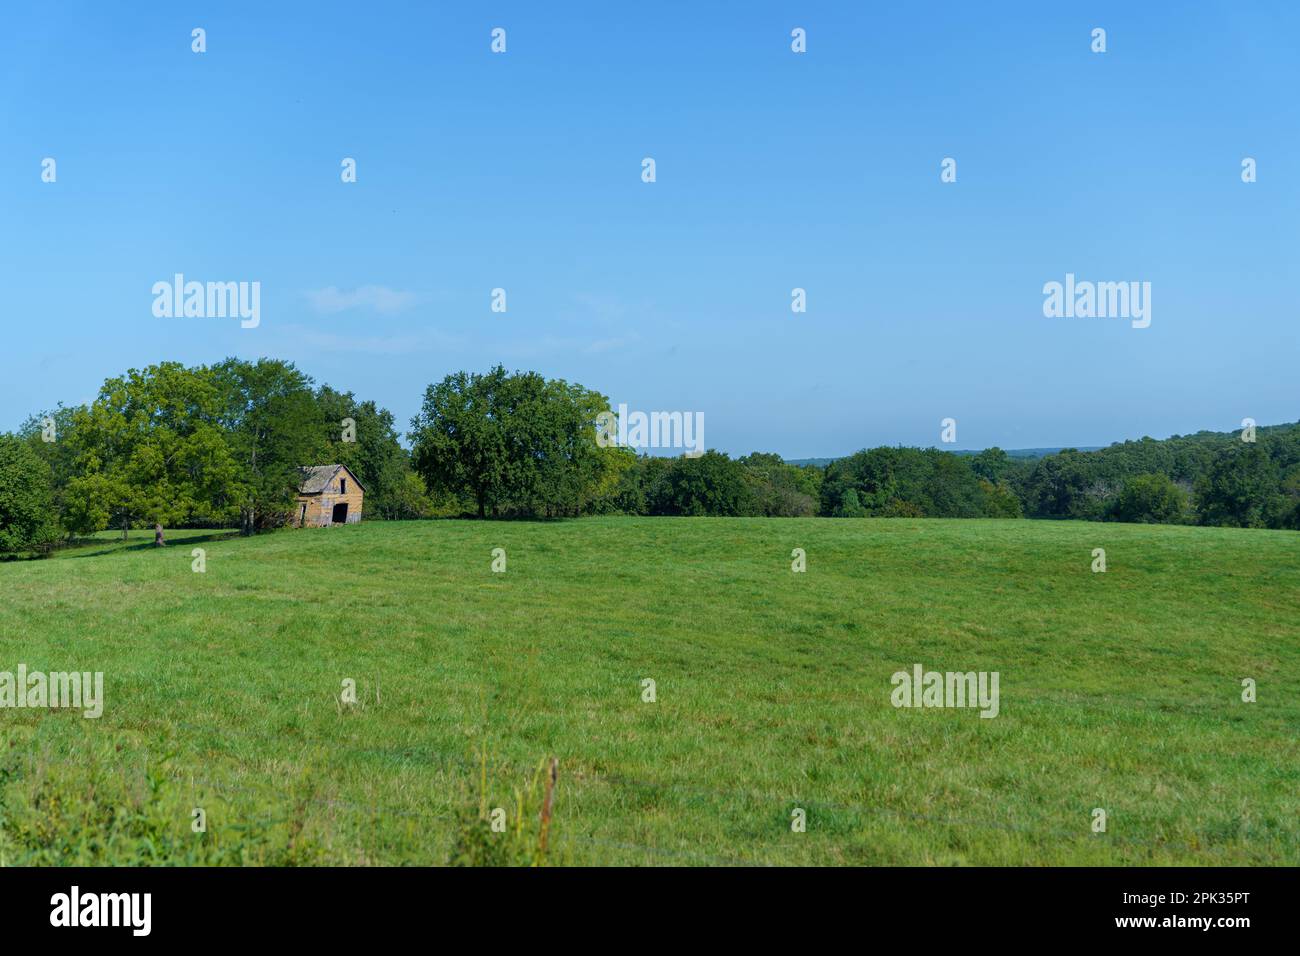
(83, 545)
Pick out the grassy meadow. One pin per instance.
(1119, 691)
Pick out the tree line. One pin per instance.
(1209, 478)
(222, 446)
(215, 446)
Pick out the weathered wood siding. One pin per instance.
(320, 508)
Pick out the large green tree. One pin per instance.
(908, 482)
(368, 444)
(27, 519)
(512, 443)
(150, 449)
(459, 438)
(273, 428)
(710, 484)
(49, 434)
(1238, 488)
(778, 489)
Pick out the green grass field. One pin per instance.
(1119, 691)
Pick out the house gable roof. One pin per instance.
(316, 478)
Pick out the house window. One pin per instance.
(302, 518)
(343, 486)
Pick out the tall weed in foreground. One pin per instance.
(491, 836)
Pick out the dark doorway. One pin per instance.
(340, 514)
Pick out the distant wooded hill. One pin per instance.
(1243, 479)
(1010, 453)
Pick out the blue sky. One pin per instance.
(774, 171)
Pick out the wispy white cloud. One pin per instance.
(598, 346)
(552, 345)
(372, 344)
(377, 298)
(605, 307)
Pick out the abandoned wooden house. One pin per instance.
(328, 495)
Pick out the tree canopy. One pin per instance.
(27, 519)
(222, 445)
(512, 443)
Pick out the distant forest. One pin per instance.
(1210, 478)
(1032, 453)
(223, 446)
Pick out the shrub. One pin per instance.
(1149, 499)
